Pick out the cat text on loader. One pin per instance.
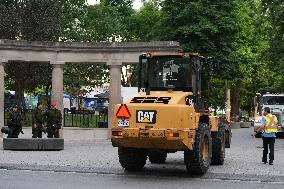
(168, 115)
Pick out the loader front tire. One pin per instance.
(198, 160)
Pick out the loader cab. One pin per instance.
(177, 72)
(171, 72)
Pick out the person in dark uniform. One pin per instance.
(37, 121)
(14, 123)
(54, 118)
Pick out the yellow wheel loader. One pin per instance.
(168, 115)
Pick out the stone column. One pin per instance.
(228, 105)
(114, 92)
(2, 90)
(57, 87)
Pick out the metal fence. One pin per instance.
(85, 118)
(26, 116)
(71, 118)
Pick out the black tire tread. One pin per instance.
(218, 156)
(193, 158)
(228, 138)
(157, 156)
(132, 159)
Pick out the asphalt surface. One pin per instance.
(73, 180)
(88, 163)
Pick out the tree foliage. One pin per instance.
(273, 12)
(243, 39)
(144, 23)
(77, 76)
(29, 20)
(234, 34)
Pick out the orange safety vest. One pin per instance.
(271, 124)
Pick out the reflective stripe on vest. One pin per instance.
(271, 124)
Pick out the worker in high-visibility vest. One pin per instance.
(269, 129)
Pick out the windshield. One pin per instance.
(273, 100)
(165, 72)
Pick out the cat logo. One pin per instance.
(146, 116)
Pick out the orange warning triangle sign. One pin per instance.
(123, 112)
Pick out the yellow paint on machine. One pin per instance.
(174, 117)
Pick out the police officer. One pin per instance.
(54, 118)
(14, 123)
(37, 120)
(269, 129)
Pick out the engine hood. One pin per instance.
(162, 97)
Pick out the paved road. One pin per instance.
(72, 180)
(96, 158)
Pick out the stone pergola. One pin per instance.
(58, 53)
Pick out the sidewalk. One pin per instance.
(243, 159)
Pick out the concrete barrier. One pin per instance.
(245, 124)
(73, 133)
(236, 125)
(33, 144)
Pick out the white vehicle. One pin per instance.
(276, 104)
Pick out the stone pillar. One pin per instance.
(2, 90)
(57, 88)
(114, 92)
(228, 105)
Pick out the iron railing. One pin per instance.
(85, 118)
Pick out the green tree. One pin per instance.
(27, 77)
(77, 76)
(232, 34)
(10, 21)
(41, 19)
(103, 23)
(125, 11)
(273, 11)
(144, 23)
(207, 28)
(73, 21)
(124, 7)
(29, 20)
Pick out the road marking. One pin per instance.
(240, 180)
(142, 175)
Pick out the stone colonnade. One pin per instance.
(2, 89)
(57, 54)
(57, 88)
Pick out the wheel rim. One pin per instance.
(205, 148)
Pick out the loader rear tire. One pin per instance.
(132, 159)
(198, 160)
(157, 156)
(218, 146)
